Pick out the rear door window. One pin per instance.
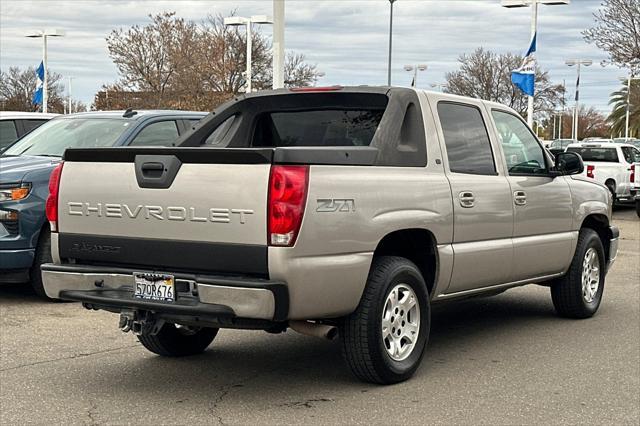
(631, 155)
(335, 127)
(608, 155)
(466, 139)
(160, 133)
(8, 133)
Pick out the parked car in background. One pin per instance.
(325, 209)
(596, 140)
(559, 145)
(26, 165)
(14, 125)
(611, 164)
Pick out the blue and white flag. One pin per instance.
(37, 95)
(525, 76)
(40, 71)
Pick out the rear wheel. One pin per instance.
(578, 294)
(611, 186)
(384, 340)
(638, 207)
(43, 255)
(174, 340)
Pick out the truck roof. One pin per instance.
(138, 114)
(23, 115)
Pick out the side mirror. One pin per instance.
(569, 163)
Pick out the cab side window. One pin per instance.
(466, 139)
(161, 133)
(522, 152)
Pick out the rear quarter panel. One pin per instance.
(327, 269)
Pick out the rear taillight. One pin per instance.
(590, 169)
(632, 178)
(287, 198)
(51, 207)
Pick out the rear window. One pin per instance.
(335, 127)
(596, 154)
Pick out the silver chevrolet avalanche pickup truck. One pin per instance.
(336, 212)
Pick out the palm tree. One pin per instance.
(618, 115)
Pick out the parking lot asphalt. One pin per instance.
(505, 359)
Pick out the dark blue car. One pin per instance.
(26, 165)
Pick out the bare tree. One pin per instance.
(487, 75)
(617, 31)
(181, 64)
(146, 56)
(298, 73)
(17, 87)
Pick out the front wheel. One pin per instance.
(578, 294)
(384, 339)
(174, 340)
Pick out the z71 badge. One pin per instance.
(330, 205)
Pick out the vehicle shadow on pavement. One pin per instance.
(17, 293)
(255, 365)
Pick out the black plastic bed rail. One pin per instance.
(347, 156)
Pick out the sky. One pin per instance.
(347, 39)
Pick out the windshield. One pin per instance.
(52, 138)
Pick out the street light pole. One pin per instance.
(237, 21)
(534, 30)
(579, 63)
(44, 34)
(415, 69)
(390, 40)
(278, 44)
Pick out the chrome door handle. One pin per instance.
(467, 199)
(520, 198)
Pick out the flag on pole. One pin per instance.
(40, 71)
(37, 95)
(525, 76)
(578, 89)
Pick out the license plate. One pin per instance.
(158, 287)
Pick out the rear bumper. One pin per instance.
(205, 296)
(614, 233)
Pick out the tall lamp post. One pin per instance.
(44, 34)
(278, 44)
(415, 69)
(390, 40)
(248, 22)
(534, 29)
(578, 63)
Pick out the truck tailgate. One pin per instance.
(211, 215)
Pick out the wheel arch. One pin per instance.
(600, 224)
(417, 245)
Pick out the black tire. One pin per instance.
(361, 332)
(611, 186)
(175, 342)
(638, 207)
(43, 255)
(566, 292)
